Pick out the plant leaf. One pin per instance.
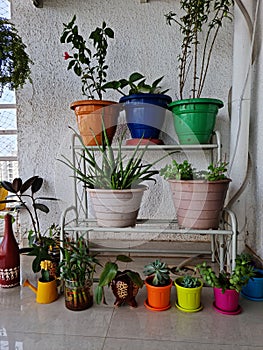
(109, 272)
(28, 183)
(41, 207)
(37, 184)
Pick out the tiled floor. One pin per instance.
(26, 325)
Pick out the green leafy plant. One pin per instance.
(28, 200)
(14, 61)
(77, 263)
(24, 194)
(45, 249)
(216, 172)
(200, 19)
(189, 281)
(116, 170)
(136, 84)
(109, 273)
(88, 60)
(185, 171)
(159, 271)
(235, 280)
(178, 171)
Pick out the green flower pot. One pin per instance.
(194, 119)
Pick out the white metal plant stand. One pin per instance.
(75, 219)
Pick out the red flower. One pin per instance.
(67, 56)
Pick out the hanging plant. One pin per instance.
(14, 61)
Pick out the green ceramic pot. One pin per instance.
(194, 119)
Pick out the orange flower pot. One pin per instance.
(90, 115)
(158, 296)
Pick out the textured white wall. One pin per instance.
(255, 236)
(143, 42)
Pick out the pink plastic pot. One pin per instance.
(227, 301)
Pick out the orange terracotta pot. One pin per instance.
(90, 114)
(158, 296)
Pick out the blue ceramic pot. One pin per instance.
(145, 114)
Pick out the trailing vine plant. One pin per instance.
(14, 61)
(199, 16)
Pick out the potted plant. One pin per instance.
(25, 195)
(188, 290)
(14, 61)
(46, 291)
(158, 284)
(254, 288)
(198, 196)
(194, 117)
(114, 181)
(124, 284)
(88, 62)
(77, 269)
(227, 286)
(144, 104)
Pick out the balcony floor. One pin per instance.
(26, 325)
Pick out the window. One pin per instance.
(8, 125)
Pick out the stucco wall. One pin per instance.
(143, 42)
(255, 237)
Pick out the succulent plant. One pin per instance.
(159, 271)
(189, 281)
(237, 279)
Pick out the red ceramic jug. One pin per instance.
(9, 257)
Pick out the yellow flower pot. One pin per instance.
(3, 194)
(188, 299)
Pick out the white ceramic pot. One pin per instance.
(116, 208)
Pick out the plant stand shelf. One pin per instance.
(75, 220)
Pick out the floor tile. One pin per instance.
(34, 341)
(27, 325)
(206, 326)
(134, 344)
